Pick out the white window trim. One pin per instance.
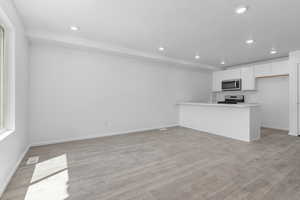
(9, 80)
(2, 124)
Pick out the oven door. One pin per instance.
(231, 85)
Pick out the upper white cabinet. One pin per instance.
(272, 69)
(248, 78)
(219, 76)
(231, 74)
(263, 70)
(249, 73)
(280, 68)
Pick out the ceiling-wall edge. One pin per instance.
(80, 42)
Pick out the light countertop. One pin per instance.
(239, 105)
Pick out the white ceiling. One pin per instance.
(183, 27)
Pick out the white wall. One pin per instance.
(84, 93)
(273, 95)
(14, 145)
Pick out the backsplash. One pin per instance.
(250, 96)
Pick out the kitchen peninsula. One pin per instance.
(237, 121)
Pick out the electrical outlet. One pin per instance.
(32, 160)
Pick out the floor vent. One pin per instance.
(32, 160)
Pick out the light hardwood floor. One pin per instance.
(178, 163)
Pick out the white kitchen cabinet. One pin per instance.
(272, 69)
(248, 74)
(263, 70)
(219, 76)
(216, 86)
(231, 74)
(248, 78)
(280, 68)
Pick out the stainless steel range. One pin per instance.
(233, 99)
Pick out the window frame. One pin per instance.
(2, 79)
(9, 60)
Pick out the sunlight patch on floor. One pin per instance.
(49, 180)
(49, 167)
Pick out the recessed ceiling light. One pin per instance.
(250, 41)
(241, 9)
(161, 48)
(74, 28)
(197, 57)
(223, 63)
(273, 51)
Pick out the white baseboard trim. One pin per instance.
(276, 128)
(99, 136)
(228, 137)
(13, 171)
(293, 134)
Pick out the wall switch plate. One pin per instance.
(32, 160)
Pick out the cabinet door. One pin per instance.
(280, 68)
(216, 86)
(248, 78)
(263, 70)
(231, 74)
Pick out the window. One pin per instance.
(2, 77)
(7, 76)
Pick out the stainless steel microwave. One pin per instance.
(231, 85)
